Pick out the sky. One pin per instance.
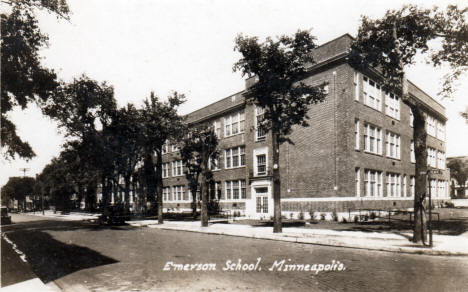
(187, 46)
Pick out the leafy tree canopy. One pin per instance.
(23, 78)
(393, 41)
(459, 171)
(278, 66)
(18, 188)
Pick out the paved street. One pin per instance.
(81, 255)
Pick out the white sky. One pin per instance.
(143, 46)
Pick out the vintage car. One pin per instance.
(5, 218)
(114, 215)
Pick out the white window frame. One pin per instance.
(393, 185)
(241, 188)
(165, 170)
(431, 130)
(239, 122)
(374, 140)
(412, 185)
(392, 105)
(356, 86)
(392, 142)
(412, 154)
(176, 166)
(259, 111)
(257, 152)
(240, 157)
(440, 131)
(357, 178)
(217, 128)
(373, 183)
(356, 135)
(411, 119)
(372, 92)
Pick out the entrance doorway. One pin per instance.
(261, 194)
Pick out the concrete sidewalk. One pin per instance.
(72, 216)
(382, 241)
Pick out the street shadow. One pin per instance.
(51, 259)
(57, 225)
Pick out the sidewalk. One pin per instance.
(443, 244)
(381, 241)
(72, 216)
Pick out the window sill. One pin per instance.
(260, 139)
(226, 136)
(235, 167)
(372, 153)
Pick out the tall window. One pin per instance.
(404, 186)
(175, 148)
(217, 128)
(177, 168)
(234, 124)
(440, 160)
(372, 139)
(165, 148)
(393, 185)
(166, 194)
(356, 134)
(235, 190)
(393, 145)
(431, 126)
(373, 183)
(260, 131)
(213, 164)
(431, 157)
(261, 164)
(412, 184)
(441, 131)
(392, 105)
(411, 118)
(433, 185)
(412, 155)
(165, 170)
(235, 157)
(356, 86)
(358, 181)
(372, 93)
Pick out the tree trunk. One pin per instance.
(277, 224)
(127, 191)
(204, 188)
(204, 199)
(194, 202)
(159, 186)
(420, 149)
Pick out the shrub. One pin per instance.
(334, 215)
(449, 205)
(291, 216)
(372, 215)
(312, 215)
(322, 216)
(301, 215)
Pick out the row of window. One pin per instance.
(233, 189)
(373, 144)
(373, 184)
(395, 185)
(233, 157)
(372, 96)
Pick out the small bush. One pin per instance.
(372, 216)
(356, 219)
(301, 215)
(322, 216)
(291, 215)
(312, 215)
(449, 205)
(334, 215)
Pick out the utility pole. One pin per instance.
(24, 169)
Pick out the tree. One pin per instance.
(84, 109)
(126, 145)
(458, 171)
(23, 79)
(279, 67)
(198, 152)
(18, 188)
(159, 122)
(391, 43)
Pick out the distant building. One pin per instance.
(457, 190)
(357, 153)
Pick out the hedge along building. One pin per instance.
(357, 152)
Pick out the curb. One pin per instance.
(314, 241)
